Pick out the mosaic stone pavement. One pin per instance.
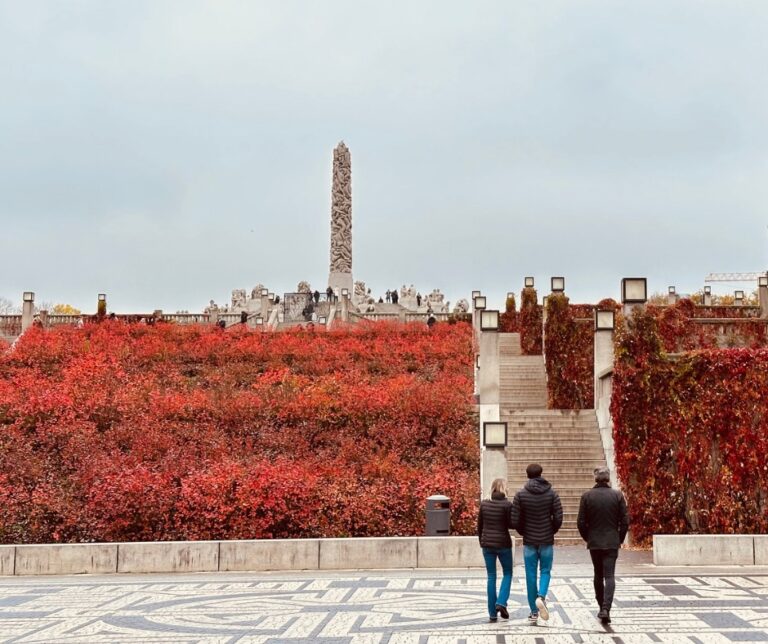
(437, 607)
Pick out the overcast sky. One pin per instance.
(168, 152)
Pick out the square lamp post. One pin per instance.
(672, 290)
(479, 302)
(489, 320)
(259, 321)
(510, 295)
(738, 297)
(265, 292)
(634, 290)
(605, 320)
(271, 297)
(321, 320)
(528, 282)
(477, 361)
(29, 296)
(557, 284)
(494, 434)
(762, 281)
(475, 294)
(707, 290)
(102, 297)
(345, 292)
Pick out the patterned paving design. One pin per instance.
(423, 608)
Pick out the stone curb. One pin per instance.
(710, 550)
(370, 553)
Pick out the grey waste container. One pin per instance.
(438, 516)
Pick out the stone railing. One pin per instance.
(189, 318)
(268, 554)
(10, 325)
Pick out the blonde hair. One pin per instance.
(499, 485)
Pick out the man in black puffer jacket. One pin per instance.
(603, 523)
(537, 515)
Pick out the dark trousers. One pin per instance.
(604, 563)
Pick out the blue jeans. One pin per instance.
(535, 556)
(505, 558)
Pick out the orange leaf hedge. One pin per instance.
(130, 432)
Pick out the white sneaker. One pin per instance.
(542, 606)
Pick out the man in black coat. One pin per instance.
(537, 515)
(603, 523)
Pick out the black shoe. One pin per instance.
(604, 616)
(502, 610)
(493, 619)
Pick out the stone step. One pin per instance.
(534, 456)
(544, 425)
(559, 413)
(547, 435)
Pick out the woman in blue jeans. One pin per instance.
(493, 524)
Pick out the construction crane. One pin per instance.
(732, 277)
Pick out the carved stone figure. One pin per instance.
(360, 292)
(341, 211)
(303, 287)
(256, 291)
(462, 306)
(238, 299)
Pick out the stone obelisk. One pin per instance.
(341, 221)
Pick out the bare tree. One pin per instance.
(7, 307)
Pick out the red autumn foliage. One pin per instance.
(530, 323)
(508, 321)
(690, 433)
(681, 327)
(569, 348)
(133, 432)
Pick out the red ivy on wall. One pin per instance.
(508, 321)
(133, 432)
(530, 323)
(690, 433)
(569, 354)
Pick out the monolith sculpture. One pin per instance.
(341, 221)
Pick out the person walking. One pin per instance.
(537, 515)
(493, 525)
(603, 522)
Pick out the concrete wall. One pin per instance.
(65, 559)
(212, 556)
(168, 556)
(709, 549)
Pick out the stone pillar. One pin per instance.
(345, 307)
(340, 275)
(493, 460)
(762, 296)
(27, 310)
(264, 312)
(43, 316)
(603, 375)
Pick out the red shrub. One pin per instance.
(132, 432)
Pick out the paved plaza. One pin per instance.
(443, 606)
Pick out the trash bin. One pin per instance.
(438, 516)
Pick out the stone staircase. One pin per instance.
(565, 443)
